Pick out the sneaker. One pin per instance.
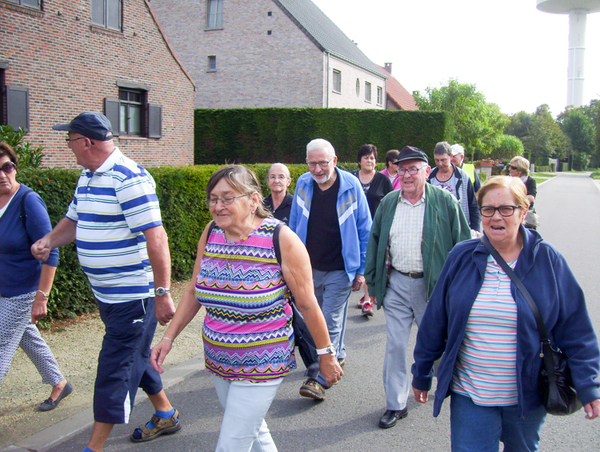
(312, 389)
(367, 309)
(360, 303)
(160, 426)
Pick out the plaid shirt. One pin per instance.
(406, 236)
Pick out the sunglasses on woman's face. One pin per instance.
(8, 167)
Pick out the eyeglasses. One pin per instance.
(514, 168)
(225, 200)
(321, 164)
(412, 170)
(68, 140)
(278, 176)
(8, 167)
(505, 211)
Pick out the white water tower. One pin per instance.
(577, 11)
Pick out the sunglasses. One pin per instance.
(8, 167)
(514, 168)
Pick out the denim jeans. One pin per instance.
(481, 428)
(246, 404)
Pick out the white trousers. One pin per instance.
(405, 299)
(246, 404)
(17, 330)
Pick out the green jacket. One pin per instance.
(444, 226)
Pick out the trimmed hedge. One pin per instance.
(281, 134)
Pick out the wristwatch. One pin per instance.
(160, 291)
(329, 350)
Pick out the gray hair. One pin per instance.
(320, 144)
(443, 147)
(522, 163)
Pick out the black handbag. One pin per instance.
(555, 385)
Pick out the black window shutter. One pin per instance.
(154, 121)
(112, 110)
(17, 107)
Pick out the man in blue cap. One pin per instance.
(413, 231)
(123, 249)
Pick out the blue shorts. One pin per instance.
(124, 361)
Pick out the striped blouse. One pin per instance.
(485, 368)
(247, 331)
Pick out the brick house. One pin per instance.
(61, 57)
(269, 53)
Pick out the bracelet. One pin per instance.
(46, 294)
(167, 338)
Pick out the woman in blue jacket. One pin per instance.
(488, 336)
(25, 282)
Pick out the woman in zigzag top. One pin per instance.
(248, 335)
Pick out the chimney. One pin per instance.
(388, 67)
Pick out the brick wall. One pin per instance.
(70, 66)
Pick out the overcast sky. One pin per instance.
(515, 54)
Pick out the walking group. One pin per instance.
(276, 274)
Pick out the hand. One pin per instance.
(159, 353)
(592, 409)
(359, 282)
(421, 396)
(164, 309)
(330, 369)
(41, 249)
(39, 309)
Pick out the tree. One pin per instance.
(510, 146)
(580, 129)
(477, 124)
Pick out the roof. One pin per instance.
(324, 33)
(398, 93)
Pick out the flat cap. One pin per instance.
(411, 153)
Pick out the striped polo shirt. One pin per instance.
(486, 366)
(112, 208)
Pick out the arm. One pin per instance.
(297, 273)
(186, 310)
(40, 308)
(62, 234)
(157, 243)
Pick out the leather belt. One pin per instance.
(412, 275)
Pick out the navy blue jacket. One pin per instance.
(560, 300)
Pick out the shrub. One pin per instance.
(29, 156)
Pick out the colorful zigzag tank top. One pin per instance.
(247, 331)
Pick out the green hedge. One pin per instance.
(281, 134)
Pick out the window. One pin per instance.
(31, 3)
(214, 14)
(212, 63)
(131, 115)
(379, 95)
(107, 13)
(357, 87)
(367, 92)
(337, 81)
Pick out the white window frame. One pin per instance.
(379, 95)
(368, 92)
(336, 81)
(214, 14)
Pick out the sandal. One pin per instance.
(160, 427)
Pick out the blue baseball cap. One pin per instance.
(90, 124)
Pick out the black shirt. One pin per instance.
(323, 237)
(283, 211)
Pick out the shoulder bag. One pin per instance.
(555, 384)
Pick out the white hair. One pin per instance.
(286, 170)
(320, 144)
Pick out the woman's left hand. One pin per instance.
(330, 369)
(592, 409)
(39, 309)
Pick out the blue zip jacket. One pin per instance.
(560, 300)
(353, 216)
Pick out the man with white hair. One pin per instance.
(331, 216)
(458, 158)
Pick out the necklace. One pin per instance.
(244, 236)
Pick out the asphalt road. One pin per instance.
(569, 207)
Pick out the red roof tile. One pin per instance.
(398, 94)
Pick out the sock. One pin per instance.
(162, 415)
(87, 449)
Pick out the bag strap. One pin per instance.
(23, 215)
(276, 242)
(515, 279)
